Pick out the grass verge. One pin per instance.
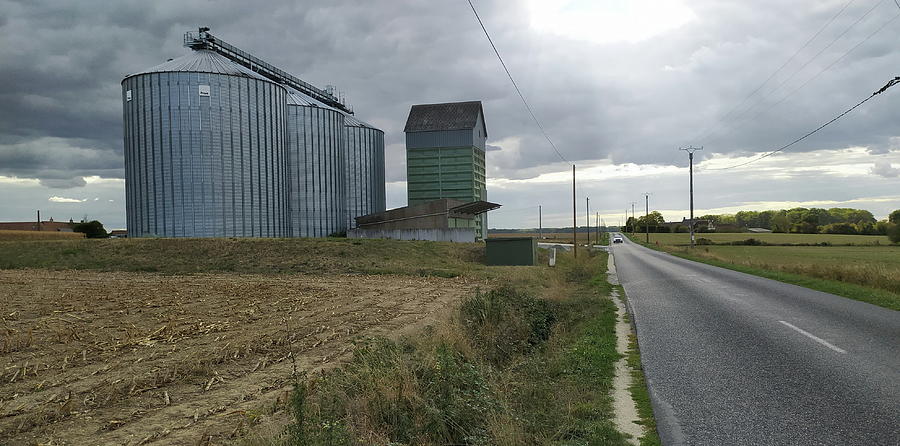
(640, 394)
(508, 367)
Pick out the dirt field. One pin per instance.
(137, 358)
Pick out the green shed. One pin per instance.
(511, 251)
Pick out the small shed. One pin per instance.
(511, 251)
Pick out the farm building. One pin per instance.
(48, 225)
(219, 143)
(442, 220)
(445, 155)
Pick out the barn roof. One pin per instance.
(446, 116)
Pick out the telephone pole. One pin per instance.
(647, 213)
(633, 220)
(690, 150)
(540, 226)
(574, 218)
(587, 216)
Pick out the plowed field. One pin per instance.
(137, 358)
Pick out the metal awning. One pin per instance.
(474, 208)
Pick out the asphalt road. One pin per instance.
(735, 359)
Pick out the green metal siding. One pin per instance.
(447, 172)
(511, 251)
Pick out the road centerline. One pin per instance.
(814, 337)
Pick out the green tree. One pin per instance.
(654, 221)
(839, 228)
(91, 229)
(765, 219)
(881, 228)
(747, 219)
(780, 222)
(894, 233)
(894, 217)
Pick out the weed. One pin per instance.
(505, 323)
(508, 368)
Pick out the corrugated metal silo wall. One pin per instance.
(365, 172)
(315, 141)
(201, 165)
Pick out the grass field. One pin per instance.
(194, 341)
(771, 238)
(39, 235)
(861, 267)
(265, 256)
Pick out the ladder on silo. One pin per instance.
(203, 40)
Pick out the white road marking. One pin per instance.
(815, 338)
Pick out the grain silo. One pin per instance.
(221, 143)
(365, 180)
(316, 167)
(204, 150)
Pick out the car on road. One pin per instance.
(618, 239)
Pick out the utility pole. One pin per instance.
(574, 218)
(39, 220)
(633, 220)
(690, 150)
(540, 225)
(647, 213)
(597, 220)
(587, 216)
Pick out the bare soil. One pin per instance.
(138, 358)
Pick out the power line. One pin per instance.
(890, 84)
(832, 64)
(785, 64)
(798, 70)
(519, 92)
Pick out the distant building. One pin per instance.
(445, 155)
(48, 225)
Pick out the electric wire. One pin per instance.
(797, 71)
(835, 62)
(774, 73)
(516, 86)
(890, 84)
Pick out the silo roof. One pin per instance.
(446, 116)
(297, 98)
(351, 121)
(202, 61)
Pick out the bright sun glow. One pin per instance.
(605, 21)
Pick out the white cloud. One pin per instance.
(606, 22)
(55, 199)
(885, 169)
(4, 180)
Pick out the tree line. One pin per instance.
(794, 220)
(810, 221)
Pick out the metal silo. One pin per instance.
(204, 150)
(364, 146)
(316, 163)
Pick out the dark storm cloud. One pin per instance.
(62, 63)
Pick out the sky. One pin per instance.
(618, 86)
